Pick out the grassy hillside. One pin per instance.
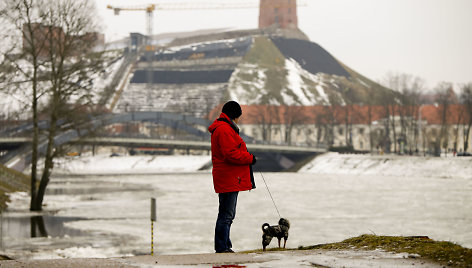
(266, 76)
(261, 75)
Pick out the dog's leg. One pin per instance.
(279, 238)
(265, 241)
(285, 241)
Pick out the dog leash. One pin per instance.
(270, 195)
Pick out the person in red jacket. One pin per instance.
(232, 170)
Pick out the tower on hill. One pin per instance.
(282, 13)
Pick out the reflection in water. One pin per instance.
(37, 223)
(25, 226)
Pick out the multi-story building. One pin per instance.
(416, 129)
(42, 39)
(47, 39)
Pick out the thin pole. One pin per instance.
(270, 195)
(153, 219)
(152, 238)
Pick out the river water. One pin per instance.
(109, 215)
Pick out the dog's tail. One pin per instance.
(264, 226)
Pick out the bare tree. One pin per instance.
(445, 97)
(331, 115)
(459, 113)
(57, 61)
(408, 109)
(369, 117)
(266, 118)
(21, 15)
(292, 115)
(466, 101)
(347, 118)
(321, 119)
(402, 105)
(388, 114)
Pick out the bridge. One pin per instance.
(171, 144)
(19, 156)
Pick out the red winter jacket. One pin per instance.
(232, 169)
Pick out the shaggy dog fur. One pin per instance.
(280, 231)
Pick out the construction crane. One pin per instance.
(150, 8)
(176, 6)
(149, 18)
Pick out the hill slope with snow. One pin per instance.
(284, 71)
(252, 68)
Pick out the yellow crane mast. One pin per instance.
(149, 18)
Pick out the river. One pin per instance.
(109, 215)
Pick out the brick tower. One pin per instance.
(280, 12)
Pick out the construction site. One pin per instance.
(192, 74)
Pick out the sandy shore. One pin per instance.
(297, 258)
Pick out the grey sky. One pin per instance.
(431, 39)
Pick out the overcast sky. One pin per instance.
(431, 39)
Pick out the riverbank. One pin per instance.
(328, 163)
(442, 252)
(11, 181)
(362, 251)
(126, 164)
(390, 165)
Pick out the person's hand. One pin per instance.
(254, 160)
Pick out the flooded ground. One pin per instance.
(109, 215)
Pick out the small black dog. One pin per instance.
(280, 231)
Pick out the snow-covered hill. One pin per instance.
(282, 71)
(252, 68)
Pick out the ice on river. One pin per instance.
(109, 215)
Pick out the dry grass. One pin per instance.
(442, 252)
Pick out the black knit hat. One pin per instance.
(232, 109)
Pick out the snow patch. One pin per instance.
(79, 252)
(247, 85)
(390, 165)
(195, 46)
(247, 92)
(296, 84)
(104, 164)
(363, 83)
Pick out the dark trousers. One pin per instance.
(226, 214)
